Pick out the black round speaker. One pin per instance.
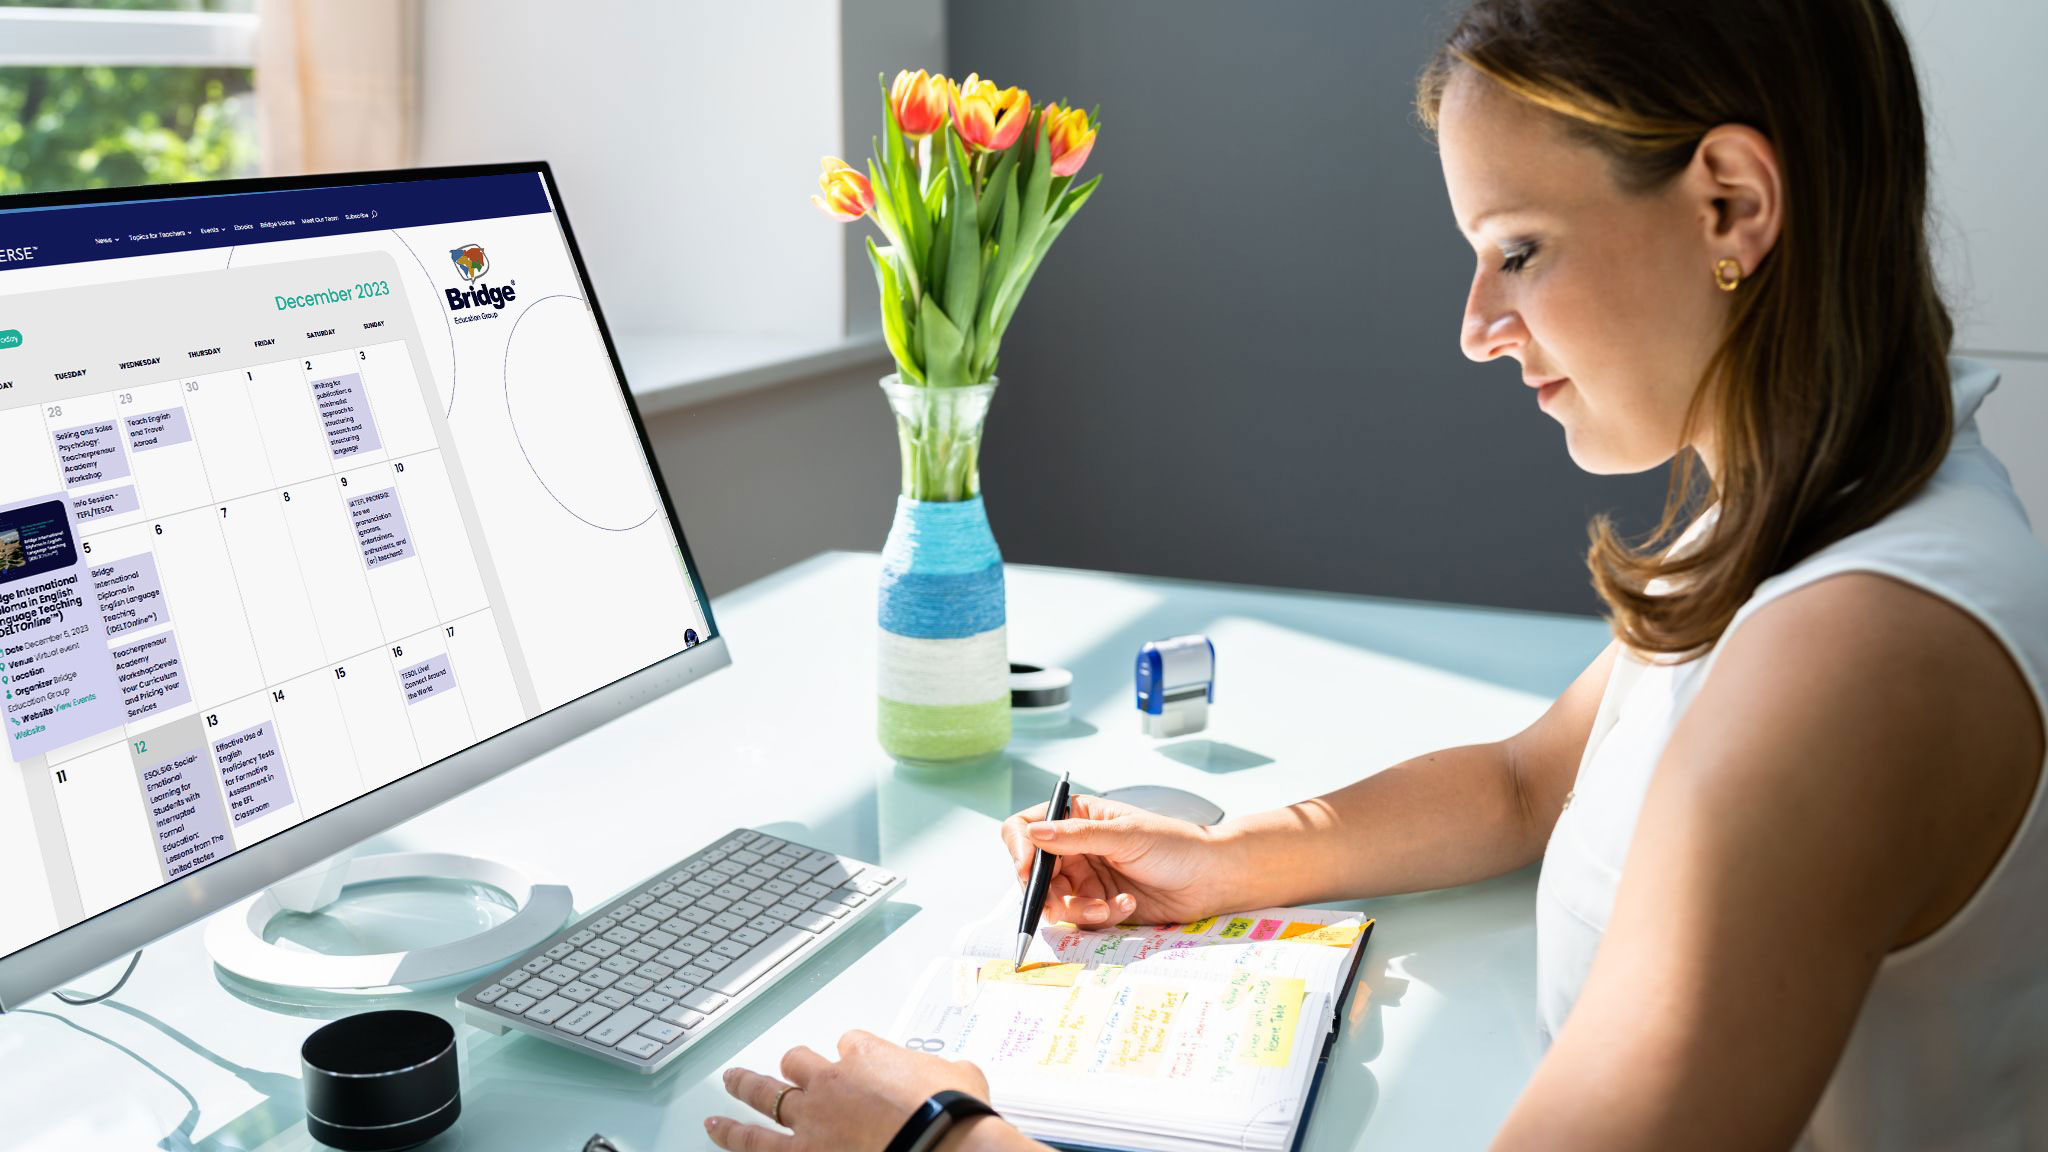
(381, 1080)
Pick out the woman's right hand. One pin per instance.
(1123, 864)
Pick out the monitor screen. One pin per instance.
(302, 490)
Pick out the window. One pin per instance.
(112, 93)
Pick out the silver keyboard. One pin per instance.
(653, 970)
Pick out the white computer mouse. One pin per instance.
(1166, 801)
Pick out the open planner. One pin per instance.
(1147, 1038)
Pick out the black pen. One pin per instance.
(1042, 867)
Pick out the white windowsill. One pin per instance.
(671, 371)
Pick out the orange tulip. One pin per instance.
(919, 103)
(848, 195)
(1070, 136)
(987, 119)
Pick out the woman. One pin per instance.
(1793, 866)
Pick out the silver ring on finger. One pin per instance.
(775, 1110)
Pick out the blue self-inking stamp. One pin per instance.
(1176, 684)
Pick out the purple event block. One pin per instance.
(252, 772)
(158, 430)
(90, 453)
(99, 505)
(185, 813)
(130, 594)
(58, 682)
(380, 527)
(425, 680)
(345, 415)
(151, 675)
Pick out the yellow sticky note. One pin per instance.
(1237, 927)
(1199, 927)
(1275, 1010)
(1041, 975)
(1334, 935)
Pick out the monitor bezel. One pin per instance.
(107, 935)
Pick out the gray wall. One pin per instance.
(1241, 361)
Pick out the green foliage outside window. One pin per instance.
(102, 127)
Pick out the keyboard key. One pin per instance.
(580, 961)
(677, 901)
(779, 887)
(747, 909)
(782, 860)
(537, 988)
(832, 908)
(557, 974)
(682, 1017)
(814, 890)
(657, 912)
(746, 883)
(713, 961)
(702, 1000)
(561, 950)
(550, 1010)
(661, 889)
(623, 965)
(771, 952)
(728, 868)
(583, 1019)
(837, 873)
(816, 862)
(639, 924)
(691, 945)
(769, 844)
(677, 876)
(747, 936)
(653, 1001)
(848, 897)
(578, 991)
(764, 871)
(673, 957)
(619, 1025)
(694, 889)
(538, 964)
(867, 887)
(641, 901)
(645, 1047)
(633, 985)
(731, 891)
(602, 948)
(709, 933)
(730, 921)
(811, 921)
(801, 901)
(746, 836)
(599, 978)
(623, 935)
(786, 911)
(766, 923)
(661, 1031)
(659, 940)
(581, 937)
(612, 998)
(713, 903)
(514, 1003)
(490, 994)
(653, 971)
(747, 857)
(695, 974)
(671, 987)
(515, 978)
(696, 915)
(620, 913)
(602, 925)
(730, 949)
(639, 950)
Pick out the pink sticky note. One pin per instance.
(1268, 929)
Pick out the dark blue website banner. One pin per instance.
(33, 237)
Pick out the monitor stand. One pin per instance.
(236, 936)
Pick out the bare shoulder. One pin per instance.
(1889, 703)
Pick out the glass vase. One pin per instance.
(943, 681)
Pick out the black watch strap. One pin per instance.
(934, 1118)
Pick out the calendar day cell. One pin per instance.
(377, 723)
(27, 911)
(249, 762)
(204, 595)
(273, 588)
(349, 421)
(432, 686)
(314, 733)
(332, 567)
(85, 432)
(395, 394)
(388, 550)
(170, 477)
(436, 521)
(229, 436)
(476, 650)
(107, 829)
(284, 409)
(28, 458)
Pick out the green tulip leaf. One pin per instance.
(895, 327)
(943, 365)
(963, 273)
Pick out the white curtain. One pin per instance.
(337, 83)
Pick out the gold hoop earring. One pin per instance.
(1726, 283)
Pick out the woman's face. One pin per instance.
(1579, 280)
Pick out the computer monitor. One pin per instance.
(322, 500)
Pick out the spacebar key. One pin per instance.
(767, 954)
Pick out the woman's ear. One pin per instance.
(1734, 175)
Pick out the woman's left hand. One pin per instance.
(854, 1105)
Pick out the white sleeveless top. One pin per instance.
(1951, 1047)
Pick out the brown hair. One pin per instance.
(1828, 397)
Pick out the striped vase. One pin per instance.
(944, 666)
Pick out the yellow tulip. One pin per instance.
(986, 118)
(848, 195)
(919, 103)
(1070, 136)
